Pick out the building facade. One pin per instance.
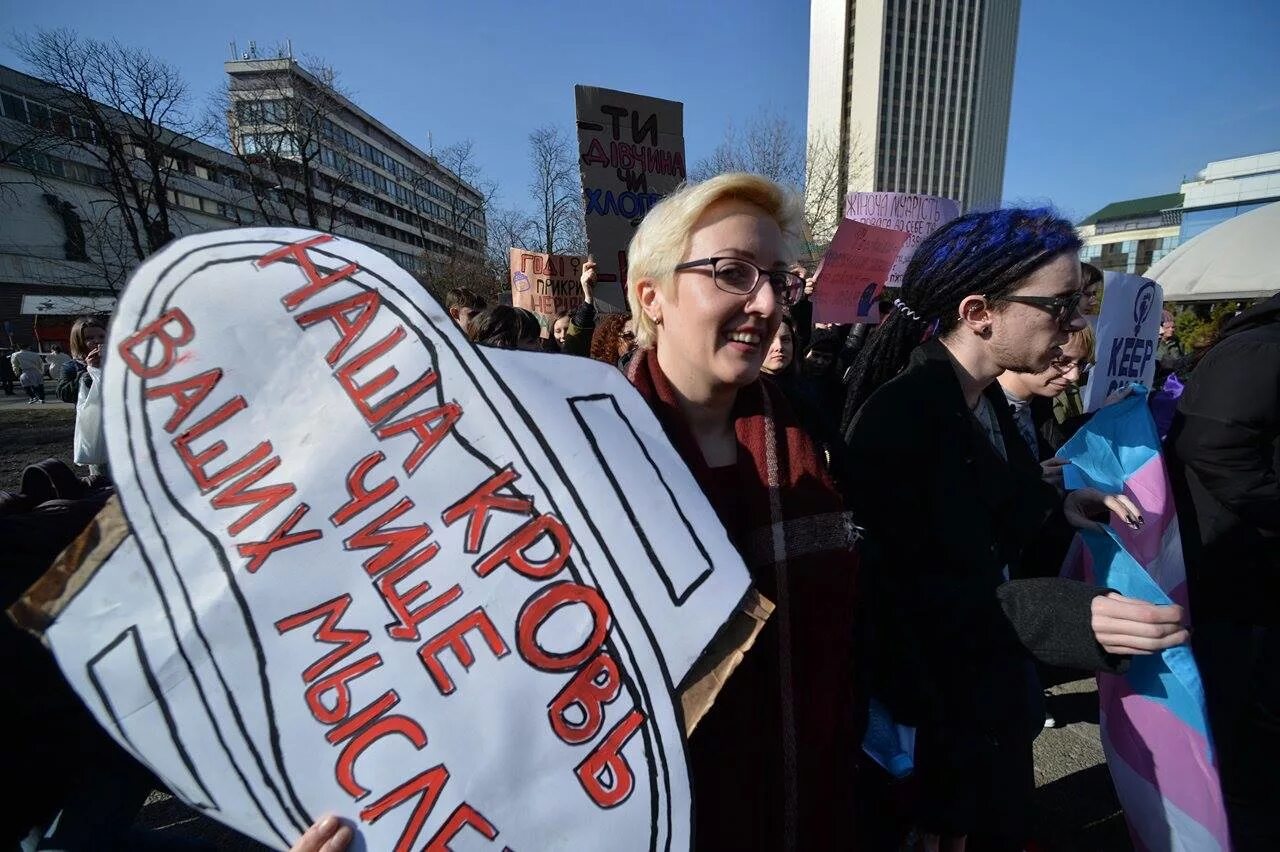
(64, 239)
(357, 169)
(915, 94)
(1129, 236)
(1226, 188)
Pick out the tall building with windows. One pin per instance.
(291, 121)
(914, 93)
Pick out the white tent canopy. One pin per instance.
(1238, 259)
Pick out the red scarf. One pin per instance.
(790, 703)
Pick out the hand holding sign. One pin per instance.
(361, 580)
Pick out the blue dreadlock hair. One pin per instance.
(987, 253)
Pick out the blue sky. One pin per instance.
(1111, 99)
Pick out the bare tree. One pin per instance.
(555, 192)
(827, 176)
(817, 168)
(128, 111)
(768, 145)
(456, 195)
(280, 125)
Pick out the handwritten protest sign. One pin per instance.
(545, 283)
(630, 153)
(444, 592)
(917, 215)
(854, 270)
(1128, 331)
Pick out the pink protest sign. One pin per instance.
(917, 215)
(854, 271)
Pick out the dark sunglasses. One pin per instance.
(1061, 308)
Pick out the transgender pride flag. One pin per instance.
(1154, 729)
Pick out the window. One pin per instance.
(14, 107)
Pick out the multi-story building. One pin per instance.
(1129, 236)
(64, 238)
(915, 94)
(353, 166)
(1226, 188)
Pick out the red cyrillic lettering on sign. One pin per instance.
(350, 316)
(281, 537)
(331, 612)
(187, 394)
(360, 495)
(590, 689)
(345, 767)
(195, 461)
(541, 606)
(338, 683)
(514, 549)
(605, 774)
(157, 330)
(475, 507)
(462, 817)
(407, 620)
(426, 785)
(315, 281)
(393, 543)
(360, 394)
(263, 500)
(428, 426)
(352, 724)
(453, 638)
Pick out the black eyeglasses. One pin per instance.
(1061, 308)
(742, 277)
(1066, 364)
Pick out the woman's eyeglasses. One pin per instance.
(743, 278)
(1065, 364)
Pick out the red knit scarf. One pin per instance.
(787, 521)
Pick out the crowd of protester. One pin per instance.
(894, 490)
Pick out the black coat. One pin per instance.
(949, 641)
(1224, 461)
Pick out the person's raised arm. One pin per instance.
(577, 339)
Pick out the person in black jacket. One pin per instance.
(950, 499)
(1224, 462)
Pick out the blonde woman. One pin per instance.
(709, 273)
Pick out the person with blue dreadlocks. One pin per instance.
(950, 501)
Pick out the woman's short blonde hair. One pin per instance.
(662, 239)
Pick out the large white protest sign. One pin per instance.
(1128, 331)
(447, 593)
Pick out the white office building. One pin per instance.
(1226, 188)
(916, 94)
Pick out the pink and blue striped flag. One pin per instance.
(1154, 727)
